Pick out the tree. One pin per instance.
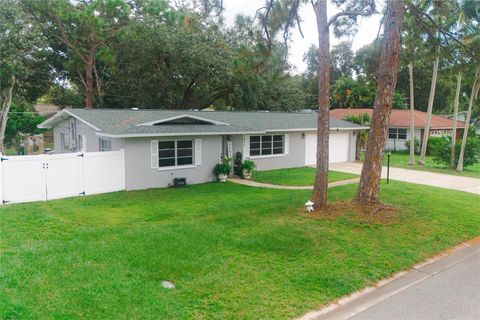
(369, 187)
(342, 61)
(22, 120)
(426, 132)
(84, 30)
(473, 97)
(19, 42)
(455, 114)
(362, 135)
(343, 23)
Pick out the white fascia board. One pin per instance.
(315, 129)
(47, 124)
(151, 123)
(177, 134)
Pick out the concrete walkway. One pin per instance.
(251, 183)
(445, 287)
(445, 181)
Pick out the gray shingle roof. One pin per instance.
(125, 122)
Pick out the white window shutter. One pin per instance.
(154, 153)
(246, 147)
(198, 152)
(287, 143)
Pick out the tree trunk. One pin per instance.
(369, 187)
(89, 78)
(455, 114)
(473, 97)
(320, 187)
(426, 132)
(412, 117)
(358, 147)
(5, 103)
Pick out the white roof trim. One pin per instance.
(47, 124)
(151, 123)
(176, 134)
(315, 129)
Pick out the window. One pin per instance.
(104, 145)
(175, 153)
(396, 133)
(266, 145)
(64, 141)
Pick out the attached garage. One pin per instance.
(339, 147)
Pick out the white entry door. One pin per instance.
(339, 147)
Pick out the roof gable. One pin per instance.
(183, 119)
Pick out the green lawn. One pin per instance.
(303, 176)
(232, 251)
(400, 159)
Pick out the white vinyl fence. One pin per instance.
(54, 176)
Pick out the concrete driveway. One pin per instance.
(445, 181)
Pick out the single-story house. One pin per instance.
(399, 129)
(161, 145)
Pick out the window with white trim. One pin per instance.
(104, 145)
(175, 153)
(397, 133)
(266, 145)
(63, 141)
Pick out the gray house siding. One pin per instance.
(140, 175)
(294, 158)
(80, 128)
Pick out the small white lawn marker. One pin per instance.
(309, 204)
(168, 285)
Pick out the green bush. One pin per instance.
(441, 151)
(433, 144)
(416, 146)
(248, 166)
(223, 167)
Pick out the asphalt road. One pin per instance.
(453, 293)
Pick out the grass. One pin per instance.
(400, 159)
(303, 176)
(233, 252)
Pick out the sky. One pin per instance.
(368, 28)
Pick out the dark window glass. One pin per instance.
(168, 162)
(166, 153)
(277, 150)
(255, 145)
(254, 152)
(255, 139)
(278, 138)
(266, 138)
(184, 152)
(184, 161)
(392, 133)
(166, 145)
(266, 151)
(184, 144)
(278, 144)
(402, 134)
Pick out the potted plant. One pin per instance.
(222, 169)
(248, 167)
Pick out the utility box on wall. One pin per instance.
(179, 182)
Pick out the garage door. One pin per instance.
(339, 147)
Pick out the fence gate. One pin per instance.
(23, 178)
(45, 177)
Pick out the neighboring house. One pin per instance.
(399, 129)
(47, 110)
(161, 145)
